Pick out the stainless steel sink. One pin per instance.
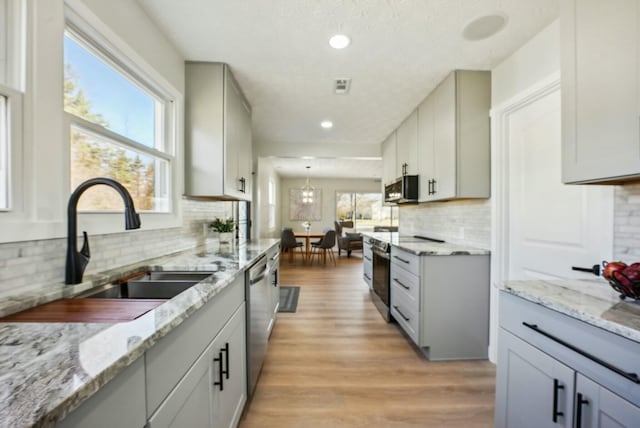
(148, 285)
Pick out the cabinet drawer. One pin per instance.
(576, 343)
(406, 283)
(405, 312)
(367, 253)
(367, 272)
(406, 260)
(173, 355)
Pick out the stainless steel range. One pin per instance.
(381, 266)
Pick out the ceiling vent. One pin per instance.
(341, 86)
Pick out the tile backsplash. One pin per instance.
(626, 226)
(33, 263)
(463, 222)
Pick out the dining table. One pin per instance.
(307, 236)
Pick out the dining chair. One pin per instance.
(325, 246)
(288, 242)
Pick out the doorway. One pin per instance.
(541, 227)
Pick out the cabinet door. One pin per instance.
(228, 360)
(533, 390)
(245, 155)
(444, 138)
(389, 160)
(597, 407)
(119, 403)
(234, 135)
(600, 89)
(407, 145)
(426, 170)
(189, 404)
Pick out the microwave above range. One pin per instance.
(404, 190)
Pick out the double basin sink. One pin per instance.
(148, 285)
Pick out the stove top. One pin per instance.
(383, 243)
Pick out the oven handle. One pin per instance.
(382, 254)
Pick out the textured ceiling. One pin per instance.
(279, 53)
(328, 168)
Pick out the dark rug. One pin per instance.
(288, 298)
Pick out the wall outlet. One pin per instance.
(461, 232)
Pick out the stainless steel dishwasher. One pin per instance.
(258, 295)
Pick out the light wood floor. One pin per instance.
(336, 363)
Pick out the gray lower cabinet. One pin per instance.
(598, 407)
(229, 366)
(424, 289)
(273, 264)
(367, 263)
(120, 403)
(556, 371)
(528, 381)
(213, 392)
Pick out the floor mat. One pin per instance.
(288, 298)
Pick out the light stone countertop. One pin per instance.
(422, 247)
(591, 301)
(49, 369)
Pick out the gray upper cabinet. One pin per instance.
(407, 146)
(218, 145)
(389, 160)
(600, 90)
(454, 138)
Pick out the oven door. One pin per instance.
(380, 281)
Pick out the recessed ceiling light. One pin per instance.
(326, 124)
(484, 27)
(339, 41)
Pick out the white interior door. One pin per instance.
(552, 226)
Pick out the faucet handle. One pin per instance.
(85, 251)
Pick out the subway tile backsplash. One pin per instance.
(460, 222)
(34, 263)
(626, 226)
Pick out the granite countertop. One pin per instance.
(421, 247)
(591, 301)
(48, 369)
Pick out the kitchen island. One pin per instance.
(567, 354)
(417, 281)
(49, 369)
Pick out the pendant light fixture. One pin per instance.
(307, 190)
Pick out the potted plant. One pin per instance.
(224, 229)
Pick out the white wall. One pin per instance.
(317, 150)
(267, 171)
(42, 190)
(34, 232)
(535, 60)
(329, 188)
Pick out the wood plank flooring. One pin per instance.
(336, 363)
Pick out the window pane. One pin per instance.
(4, 27)
(4, 154)
(344, 206)
(145, 177)
(98, 93)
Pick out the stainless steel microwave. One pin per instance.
(404, 190)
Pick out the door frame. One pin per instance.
(500, 116)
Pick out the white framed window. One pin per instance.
(365, 210)
(120, 125)
(272, 203)
(12, 57)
